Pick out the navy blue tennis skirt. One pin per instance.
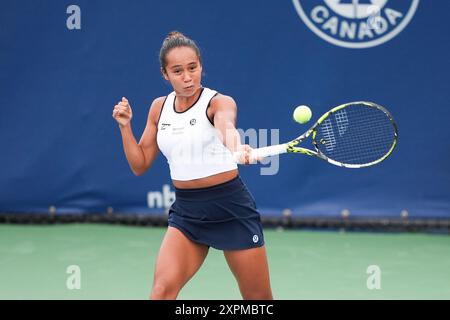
(223, 216)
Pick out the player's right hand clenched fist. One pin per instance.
(122, 112)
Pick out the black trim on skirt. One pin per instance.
(223, 216)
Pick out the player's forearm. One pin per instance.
(133, 151)
(231, 137)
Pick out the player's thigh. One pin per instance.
(251, 269)
(178, 258)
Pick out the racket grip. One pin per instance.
(259, 153)
(268, 151)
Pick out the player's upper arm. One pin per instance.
(148, 142)
(223, 111)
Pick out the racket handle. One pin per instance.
(268, 151)
(259, 153)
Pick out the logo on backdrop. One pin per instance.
(356, 24)
(161, 200)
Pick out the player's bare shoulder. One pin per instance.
(221, 101)
(222, 107)
(156, 109)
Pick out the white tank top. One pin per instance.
(190, 142)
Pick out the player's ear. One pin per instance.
(164, 74)
(201, 70)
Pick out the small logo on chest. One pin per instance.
(164, 126)
(193, 122)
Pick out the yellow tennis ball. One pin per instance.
(302, 114)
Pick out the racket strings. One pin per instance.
(363, 147)
(357, 134)
(366, 142)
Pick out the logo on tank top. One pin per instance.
(356, 24)
(255, 238)
(193, 122)
(164, 126)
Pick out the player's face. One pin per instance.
(183, 71)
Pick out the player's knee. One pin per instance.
(163, 290)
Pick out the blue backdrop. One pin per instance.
(63, 69)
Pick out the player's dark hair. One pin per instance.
(176, 39)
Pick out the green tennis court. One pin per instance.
(116, 262)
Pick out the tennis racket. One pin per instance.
(352, 135)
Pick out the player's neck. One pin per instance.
(183, 103)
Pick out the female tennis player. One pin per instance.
(194, 127)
